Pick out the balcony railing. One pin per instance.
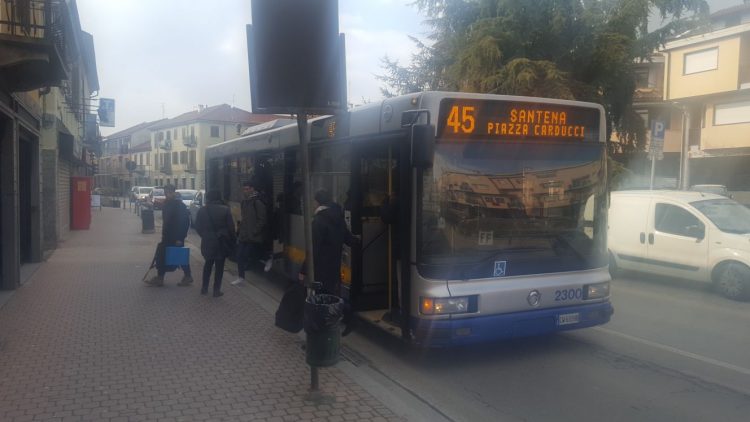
(190, 141)
(34, 43)
(140, 169)
(191, 167)
(647, 95)
(166, 169)
(165, 144)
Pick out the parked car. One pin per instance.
(690, 235)
(142, 193)
(157, 198)
(195, 205)
(716, 189)
(187, 195)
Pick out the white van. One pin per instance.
(691, 235)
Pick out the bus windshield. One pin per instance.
(490, 209)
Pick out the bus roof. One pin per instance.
(370, 119)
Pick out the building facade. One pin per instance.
(178, 145)
(119, 148)
(47, 77)
(698, 86)
(708, 77)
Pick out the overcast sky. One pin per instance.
(161, 58)
(172, 55)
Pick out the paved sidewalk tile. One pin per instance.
(85, 339)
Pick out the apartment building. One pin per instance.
(119, 148)
(707, 86)
(47, 131)
(179, 144)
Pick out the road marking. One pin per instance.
(675, 350)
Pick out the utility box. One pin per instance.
(80, 203)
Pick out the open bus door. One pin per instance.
(374, 288)
(383, 172)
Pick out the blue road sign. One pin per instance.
(657, 130)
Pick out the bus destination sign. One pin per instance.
(515, 120)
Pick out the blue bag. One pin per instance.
(177, 256)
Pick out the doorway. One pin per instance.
(376, 181)
(25, 164)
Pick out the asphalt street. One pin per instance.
(671, 352)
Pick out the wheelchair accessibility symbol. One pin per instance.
(500, 268)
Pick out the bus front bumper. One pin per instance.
(479, 329)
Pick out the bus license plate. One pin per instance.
(566, 319)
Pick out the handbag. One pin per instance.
(226, 246)
(176, 255)
(160, 259)
(291, 309)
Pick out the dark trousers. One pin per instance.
(248, 255)
(218, 275)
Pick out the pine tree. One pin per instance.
(570, 49)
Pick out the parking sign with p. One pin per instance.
(657, 129)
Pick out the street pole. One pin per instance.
(306, 214)
(653, 169)
(685, 182)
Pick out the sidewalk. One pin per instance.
(85, 339)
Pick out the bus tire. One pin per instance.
(732, 280)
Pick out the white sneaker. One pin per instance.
(237, 282)
(268, 266)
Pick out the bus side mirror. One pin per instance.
(423, 145)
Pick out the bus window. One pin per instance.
(330, 170)
(292, 183)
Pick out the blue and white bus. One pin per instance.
(481, 217)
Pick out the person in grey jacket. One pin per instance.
(215, 226)
(253, 230)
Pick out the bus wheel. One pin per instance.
(733, 281)
(614, 270)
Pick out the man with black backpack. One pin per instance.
(174, 229)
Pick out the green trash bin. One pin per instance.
(322, 321)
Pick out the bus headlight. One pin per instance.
(596, 291)
(447, 305)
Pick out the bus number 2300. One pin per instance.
(568, 294)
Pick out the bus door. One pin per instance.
(376, 182)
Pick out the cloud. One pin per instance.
(176, 54)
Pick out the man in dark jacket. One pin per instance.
(329, 234)
(172, 234)
(216, 229)
(253, 230)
